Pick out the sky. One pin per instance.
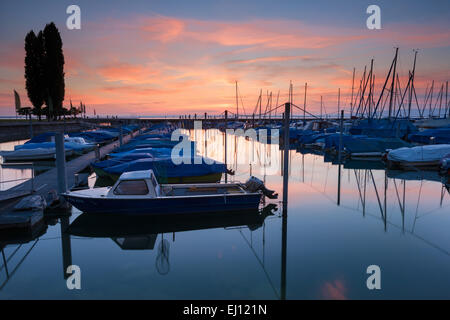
(143, 58)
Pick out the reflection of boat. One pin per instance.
(363, 164)
(414, 175)
(31, 154)
(139, 192)
(121, 226)
(143, 242)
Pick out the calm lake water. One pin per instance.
(399, 221)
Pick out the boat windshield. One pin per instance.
(131, 187)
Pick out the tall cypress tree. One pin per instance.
(33, 71)
(53, 70)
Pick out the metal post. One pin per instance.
(120, 135)
(97, 152)
(32, 177)
(287, 112)
(304, 105)
(61, 163)
(225, 144)
(31, 127)
(341, 129)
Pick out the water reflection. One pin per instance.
(140, 232)
(15, 173)
(337, 209)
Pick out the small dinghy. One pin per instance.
(139, 192)
(428, 156)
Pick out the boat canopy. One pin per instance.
(420, 154)
(384, 128)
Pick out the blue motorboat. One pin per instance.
(139, 192)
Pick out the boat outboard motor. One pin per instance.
(254, 184)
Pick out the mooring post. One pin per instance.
(61, 163)
(287, 112)
(97, 152)
(31, 127)
(120, 135)
(225, 143)
(341, 129)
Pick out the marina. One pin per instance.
(357, 205)
(214, 152)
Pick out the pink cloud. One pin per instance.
(128, 73)
(170, 65)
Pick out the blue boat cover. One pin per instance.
(384, 128)
(434, 136)
(165, 168)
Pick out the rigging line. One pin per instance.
(242, 102)
(431, 211)
(387, 221)
(300, 108)
(262, 265)
(409, 232)
(10, 256)
(272, 110)
(384, 85)
(19, 264)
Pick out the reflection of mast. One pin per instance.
(400, 203)
(383, 214)
(10, 273)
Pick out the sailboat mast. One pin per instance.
(237, 102)
(362, 89)
(370, 88)
(412, 84)
(339, 101)
(351, 100)
(260, 103)
(431, 99)
(393, 83)
(446, 101)
(304, 104)
(320, 107)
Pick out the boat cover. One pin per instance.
(166, 168)
(420, 154)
